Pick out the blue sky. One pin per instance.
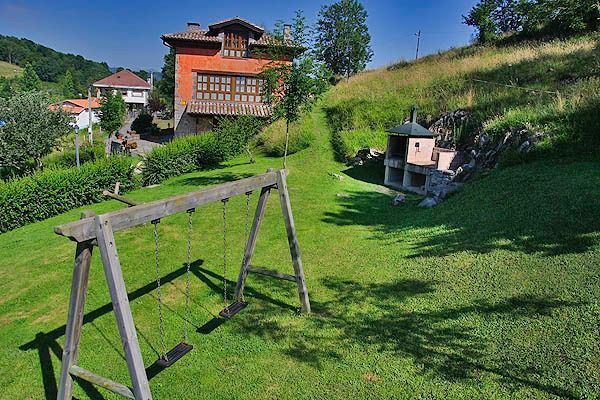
(127, 33)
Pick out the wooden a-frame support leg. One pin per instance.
(251, 244)
(290, 227)
(118, 295)
(81, 273)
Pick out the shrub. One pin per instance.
(235, 135)
(183, 155)
(143, 125)
(67, 159)
(48, 193)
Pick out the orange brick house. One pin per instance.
(216, 72)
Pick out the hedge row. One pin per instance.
(52, 192)
(183, 155)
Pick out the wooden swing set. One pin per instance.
(99, 231)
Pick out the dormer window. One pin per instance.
(235, 44)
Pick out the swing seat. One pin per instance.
(233, 309)
(174, 355)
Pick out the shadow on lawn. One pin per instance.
(546, 208)
(211, 180)
(47, 345)
(373, 316)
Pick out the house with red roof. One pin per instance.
(217, 71)
(134, 89)
(79, 111)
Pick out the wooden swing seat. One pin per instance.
(174, 355)
(233, 309)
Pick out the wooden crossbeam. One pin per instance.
(85, 229)
(101, 381)
(273, 274)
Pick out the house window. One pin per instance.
(228, 88)
(235, 44)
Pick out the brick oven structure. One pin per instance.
(216, 71)
(412, 158)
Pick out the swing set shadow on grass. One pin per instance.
(47, 343)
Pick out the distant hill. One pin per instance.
(50, 64)
(9, 70)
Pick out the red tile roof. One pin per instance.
(124, 78)
(200, 107)
(75, 106)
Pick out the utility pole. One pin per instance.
(90, 116)
(418, 35)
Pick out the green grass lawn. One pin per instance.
(9, 70)
(494, 294)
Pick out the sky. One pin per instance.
(127, 33)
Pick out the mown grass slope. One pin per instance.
(9, 70)
(553, 89)
(493, 294)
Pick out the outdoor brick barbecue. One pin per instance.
(412, 157)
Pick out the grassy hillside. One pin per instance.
(494, 294)
(563, 75)
(9, 70)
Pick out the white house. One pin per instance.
(134, 89)
(78, 109)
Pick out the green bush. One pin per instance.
(235, 135)
(183, 155)
(52, 192)
(143, 125)
(67, 159)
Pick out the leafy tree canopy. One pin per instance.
(50, 65)
(67, 86)
(293, 88)
(343, 39)
(112, 111)
(166, 86)
(531, 18)
(30, 81)
(32, 129)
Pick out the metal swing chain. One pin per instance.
(225, 254)
(187, 277)
(158, 292)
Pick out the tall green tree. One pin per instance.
(532, 18)
(5, 88)
(166, 85)
(293, 88)
(67, 85)
(112, 111)
(32, 129)
(343, 39)
(30, 81)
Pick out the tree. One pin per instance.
(293, 88)
(480, 17)
(533, 18)
(5, 88)
(67, 85)
(155, 103)
(166, 85)
(142, 73)
(32, 129)
(112, 111)
(30, 81)
(343, 39)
